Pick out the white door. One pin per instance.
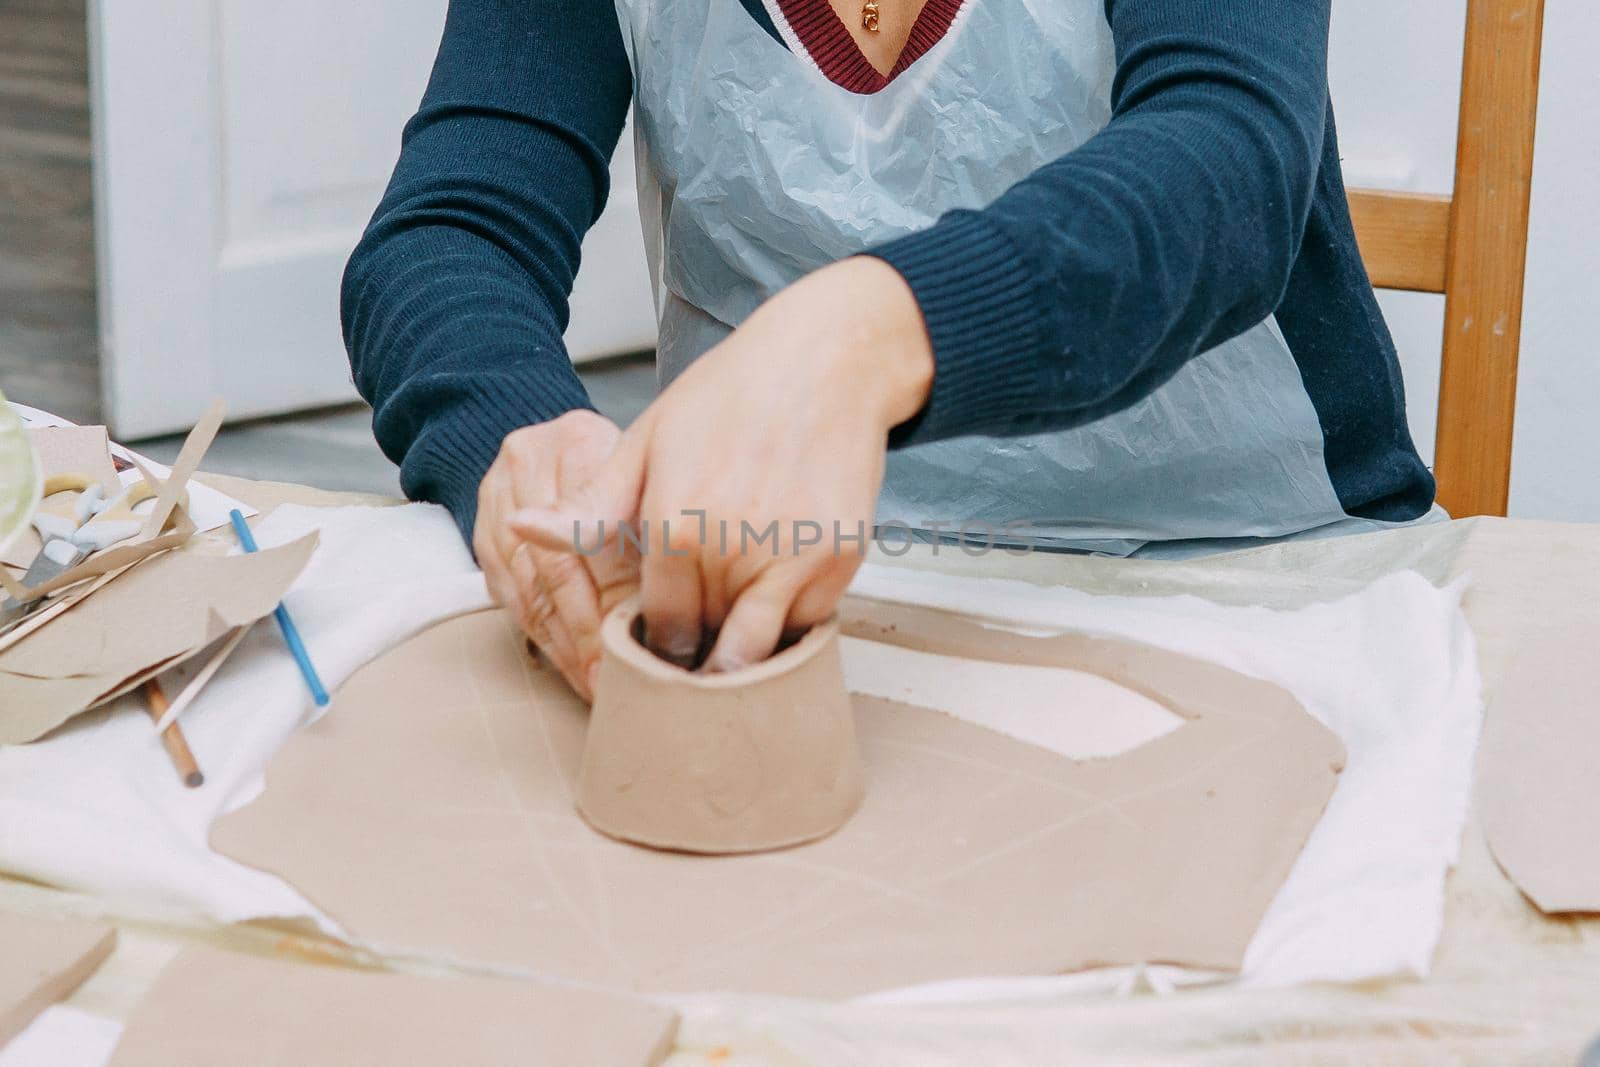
(240, 148)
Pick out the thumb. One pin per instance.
(590, 518)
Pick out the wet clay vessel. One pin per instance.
(746, 761)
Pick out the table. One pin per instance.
(1509, 984)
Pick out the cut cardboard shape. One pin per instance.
(64, 450)
(189, 456)
(756, 759)
(41, 962)
(105, 564)
(155, 537)
(433, 811)
(75, 450)
(217, 1007)
(152, 618)
(1540, 781)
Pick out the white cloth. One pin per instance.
(1392, 669)
(63, 1036)
(97, 806)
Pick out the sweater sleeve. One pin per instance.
(455, 299)
(1092, 281)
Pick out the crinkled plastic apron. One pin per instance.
(755, 169)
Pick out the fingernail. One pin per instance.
(678, 646)
(724, 663)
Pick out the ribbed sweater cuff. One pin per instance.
(983, 309)
(450, 457)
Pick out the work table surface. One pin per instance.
(1508, 983)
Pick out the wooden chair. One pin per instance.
(1472, 247)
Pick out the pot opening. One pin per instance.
(708, 641)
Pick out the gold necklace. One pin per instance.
(869, 16)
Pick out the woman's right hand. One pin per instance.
(558, 598)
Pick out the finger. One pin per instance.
(487, 549)
(566, 584)
(615, 576)
(819, 597)
(591, 519)
(536, 614)
(755, 623)
(670, 594)
(505, 588)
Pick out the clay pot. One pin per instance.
(746, 761)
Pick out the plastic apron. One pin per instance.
(755, 169)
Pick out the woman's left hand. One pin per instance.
(754, 476)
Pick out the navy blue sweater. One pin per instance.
(1211, 200)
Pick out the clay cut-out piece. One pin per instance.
(453, 760)
(222, 1007)
(756, 759)
(43, 961)
(1540, 782)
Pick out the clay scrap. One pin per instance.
(452, 762)
(43, 961)
(1540, 778)
(216, 1007)
(153, 617)
(758, 759)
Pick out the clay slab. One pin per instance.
(446, 775)
(41, 962)
(217, 1007)
(1540, 781)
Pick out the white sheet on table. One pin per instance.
(1391, 669)
(63, 1036)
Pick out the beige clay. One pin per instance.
(756, 759)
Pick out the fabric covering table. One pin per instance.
(1509, 985)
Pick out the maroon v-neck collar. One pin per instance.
(829, 44)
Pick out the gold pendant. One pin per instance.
(869, 16)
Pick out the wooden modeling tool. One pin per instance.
(172, 738)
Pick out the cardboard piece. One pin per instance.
(217, 1007)
(1540, 779)
(757, 759)
(75, 450)
(103, 564)
(64, 450)
(103, 568)
(433, 811)
(183, 468)
(152, 618)
(43, 961)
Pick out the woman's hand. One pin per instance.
(753, 478)
(558, 597)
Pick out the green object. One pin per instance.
(19, 476)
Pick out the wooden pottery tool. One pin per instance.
(172, 738)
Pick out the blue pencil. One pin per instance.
(291, 636)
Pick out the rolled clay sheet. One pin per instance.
(453, 760)
(746, 761)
